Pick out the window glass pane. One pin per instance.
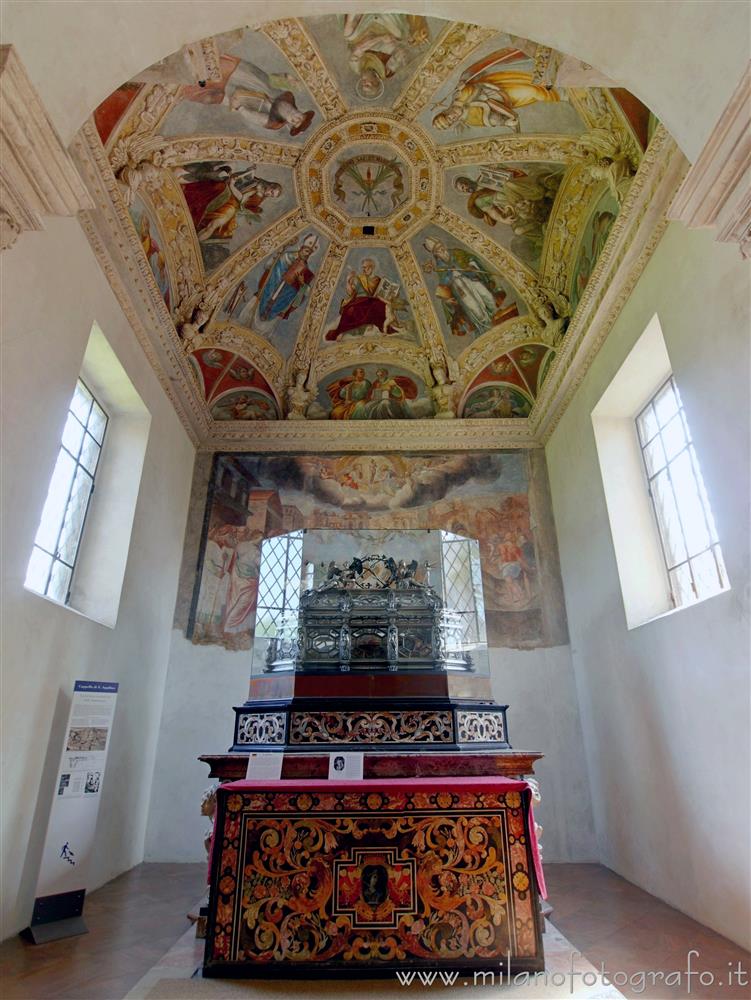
(72, 434)
(54, 505)
(703, 493)
(73, 523)
(705, 574)
(667, 519)
(89, 453)
(689, 503)
(665, 403)
(654, 456)
(673, 437)
(81, 402)
(647, 424)
(97, 421)
(721, 571)
(59, 582)
(38, 570)
(680, 583)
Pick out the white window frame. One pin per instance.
(61, 515)
(691, 554)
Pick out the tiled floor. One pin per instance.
(612, 921)
(136, 918)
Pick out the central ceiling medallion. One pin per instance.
(368, 178)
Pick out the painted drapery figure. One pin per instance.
(517, 200)
(355, 397)
(263, 99)
(379, 45)
(487, 96)
(284, 284)
(471, 297)
(217, 195)
(369, 302)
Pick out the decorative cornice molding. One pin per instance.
(509, 149)
(717, 189)
(321, 436)
(37, 176)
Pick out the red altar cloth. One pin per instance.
(469, 784)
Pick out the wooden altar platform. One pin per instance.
(331, 878)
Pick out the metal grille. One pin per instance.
(690, 547)
(462, 583)
(279, 582)
(58, 538)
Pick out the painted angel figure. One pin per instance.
(487, 96)
(216, 196)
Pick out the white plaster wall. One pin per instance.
(652, 48)
(52, 291)
(204, 683)
(665, 707)
(543, 714)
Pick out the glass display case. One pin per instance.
(403, 601)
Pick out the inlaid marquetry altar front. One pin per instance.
(320, 878)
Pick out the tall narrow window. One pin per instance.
(278, 582)
(693, 559)
(58, 537)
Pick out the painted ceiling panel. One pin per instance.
(371, 216)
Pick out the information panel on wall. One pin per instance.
(63, 872)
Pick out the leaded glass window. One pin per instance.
(58, 538)
(462, 583)
(279, 582)
(688, 536)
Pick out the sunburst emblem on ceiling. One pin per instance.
(371, 216)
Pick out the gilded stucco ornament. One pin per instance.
(334, 268)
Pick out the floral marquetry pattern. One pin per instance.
(372, 879)
(480, 727)
(338, 185)
(262, 727)
(371, 727)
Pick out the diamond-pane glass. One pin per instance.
(279, 582)
(459, 582)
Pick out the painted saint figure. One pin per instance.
(519, 200)
(263, 99)
(355, 397)
(155, 258)
(216, 201)
(284, 284)
(379, 45)
(470, 295)
(487, 97)
(369, 303)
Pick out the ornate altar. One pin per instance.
(372, 641)
(351, 878)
